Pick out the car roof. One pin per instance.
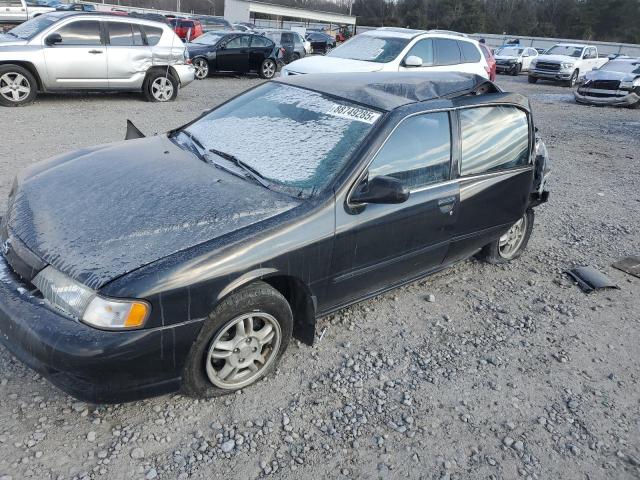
(388, 90)
(577, 45)
(66, 14)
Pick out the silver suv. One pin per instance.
(62, 51)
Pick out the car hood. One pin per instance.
(503, 57)
(8, 40)
(610, 75)
(98, 214)
(324, 64)
(556, 58)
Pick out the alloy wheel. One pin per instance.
(268, 69)
(202, 68)
(243, 350)
(14, 86)
(162, 89)
(510, 242)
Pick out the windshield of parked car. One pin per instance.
(510, 52)
(622, 66)
(370, 48)
(208, 39)
(295, 139)
(566, 50)
(30, 28)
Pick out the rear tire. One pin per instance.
(532, 79)
(510, 245)
(18, 87)
(232, 352)
(268, 69)
(160, 86)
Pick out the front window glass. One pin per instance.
(30, 28)
(83, 32)
(208, 39)
(565, 50)
(423, 50)
(493, 138)
(417, 153)
(296, 139)
(370, 49)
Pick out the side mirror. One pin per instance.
(381, 189)
(413, 61)
(53, 39)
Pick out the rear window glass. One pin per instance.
(153, 34)
(295, 138)
(447, 51)
(493, 138)
(370, 48)
(470, 53)
(124, 34)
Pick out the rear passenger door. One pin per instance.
(128, 58)
(260, 49)
(495, 175)
(379, 245)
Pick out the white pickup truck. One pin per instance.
(565, 62)
(18, 11)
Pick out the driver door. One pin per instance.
(79, 61)
(234, 57)
(381, 245)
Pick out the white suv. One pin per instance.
(397, 50)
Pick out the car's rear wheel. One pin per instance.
(18, 86)
(160, 86)
(202, 68)
(268, 69)
(240, 343)
(510, 245)
(533, 79)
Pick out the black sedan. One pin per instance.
(320, 42)
(234, 52)
(188, 260)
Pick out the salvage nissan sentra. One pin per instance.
(188, 260)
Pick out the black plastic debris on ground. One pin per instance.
(630, 265)
(590, 279)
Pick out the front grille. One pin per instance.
(548, 66)
(600, 94)
(605, 84)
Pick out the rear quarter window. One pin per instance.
(470, 53)
(153, 34)
(493, 139)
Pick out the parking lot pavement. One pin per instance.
(481, 371)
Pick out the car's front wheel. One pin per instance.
(202, 68)
(510, 245)
(240, 343)
(573, 80)
(516, 69)
(268, 69)
(532, 79)
(160, 86)
(18, 86)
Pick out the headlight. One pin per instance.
(85, 304)
(630, 84)
(533, 63)
(567, 65)
(284, 72)
(511, 60)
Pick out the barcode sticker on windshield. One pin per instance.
(354, 113)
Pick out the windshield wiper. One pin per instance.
(239, 163)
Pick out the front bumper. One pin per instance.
(186, 74)
(551, 74)
(585, 95)
(501, 68)
(92, 365)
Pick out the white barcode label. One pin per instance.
(354, 113)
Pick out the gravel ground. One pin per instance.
(480, 371)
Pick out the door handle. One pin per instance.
(446, 204)
(95, 51)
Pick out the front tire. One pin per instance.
(573, 80)
(510, 245)
(160, 86)
(268, 69)
(240, 343)
(516, 70)
(202, 68)
(532, 79)
(18, 87)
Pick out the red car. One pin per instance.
(182, 26)
(491, 62)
